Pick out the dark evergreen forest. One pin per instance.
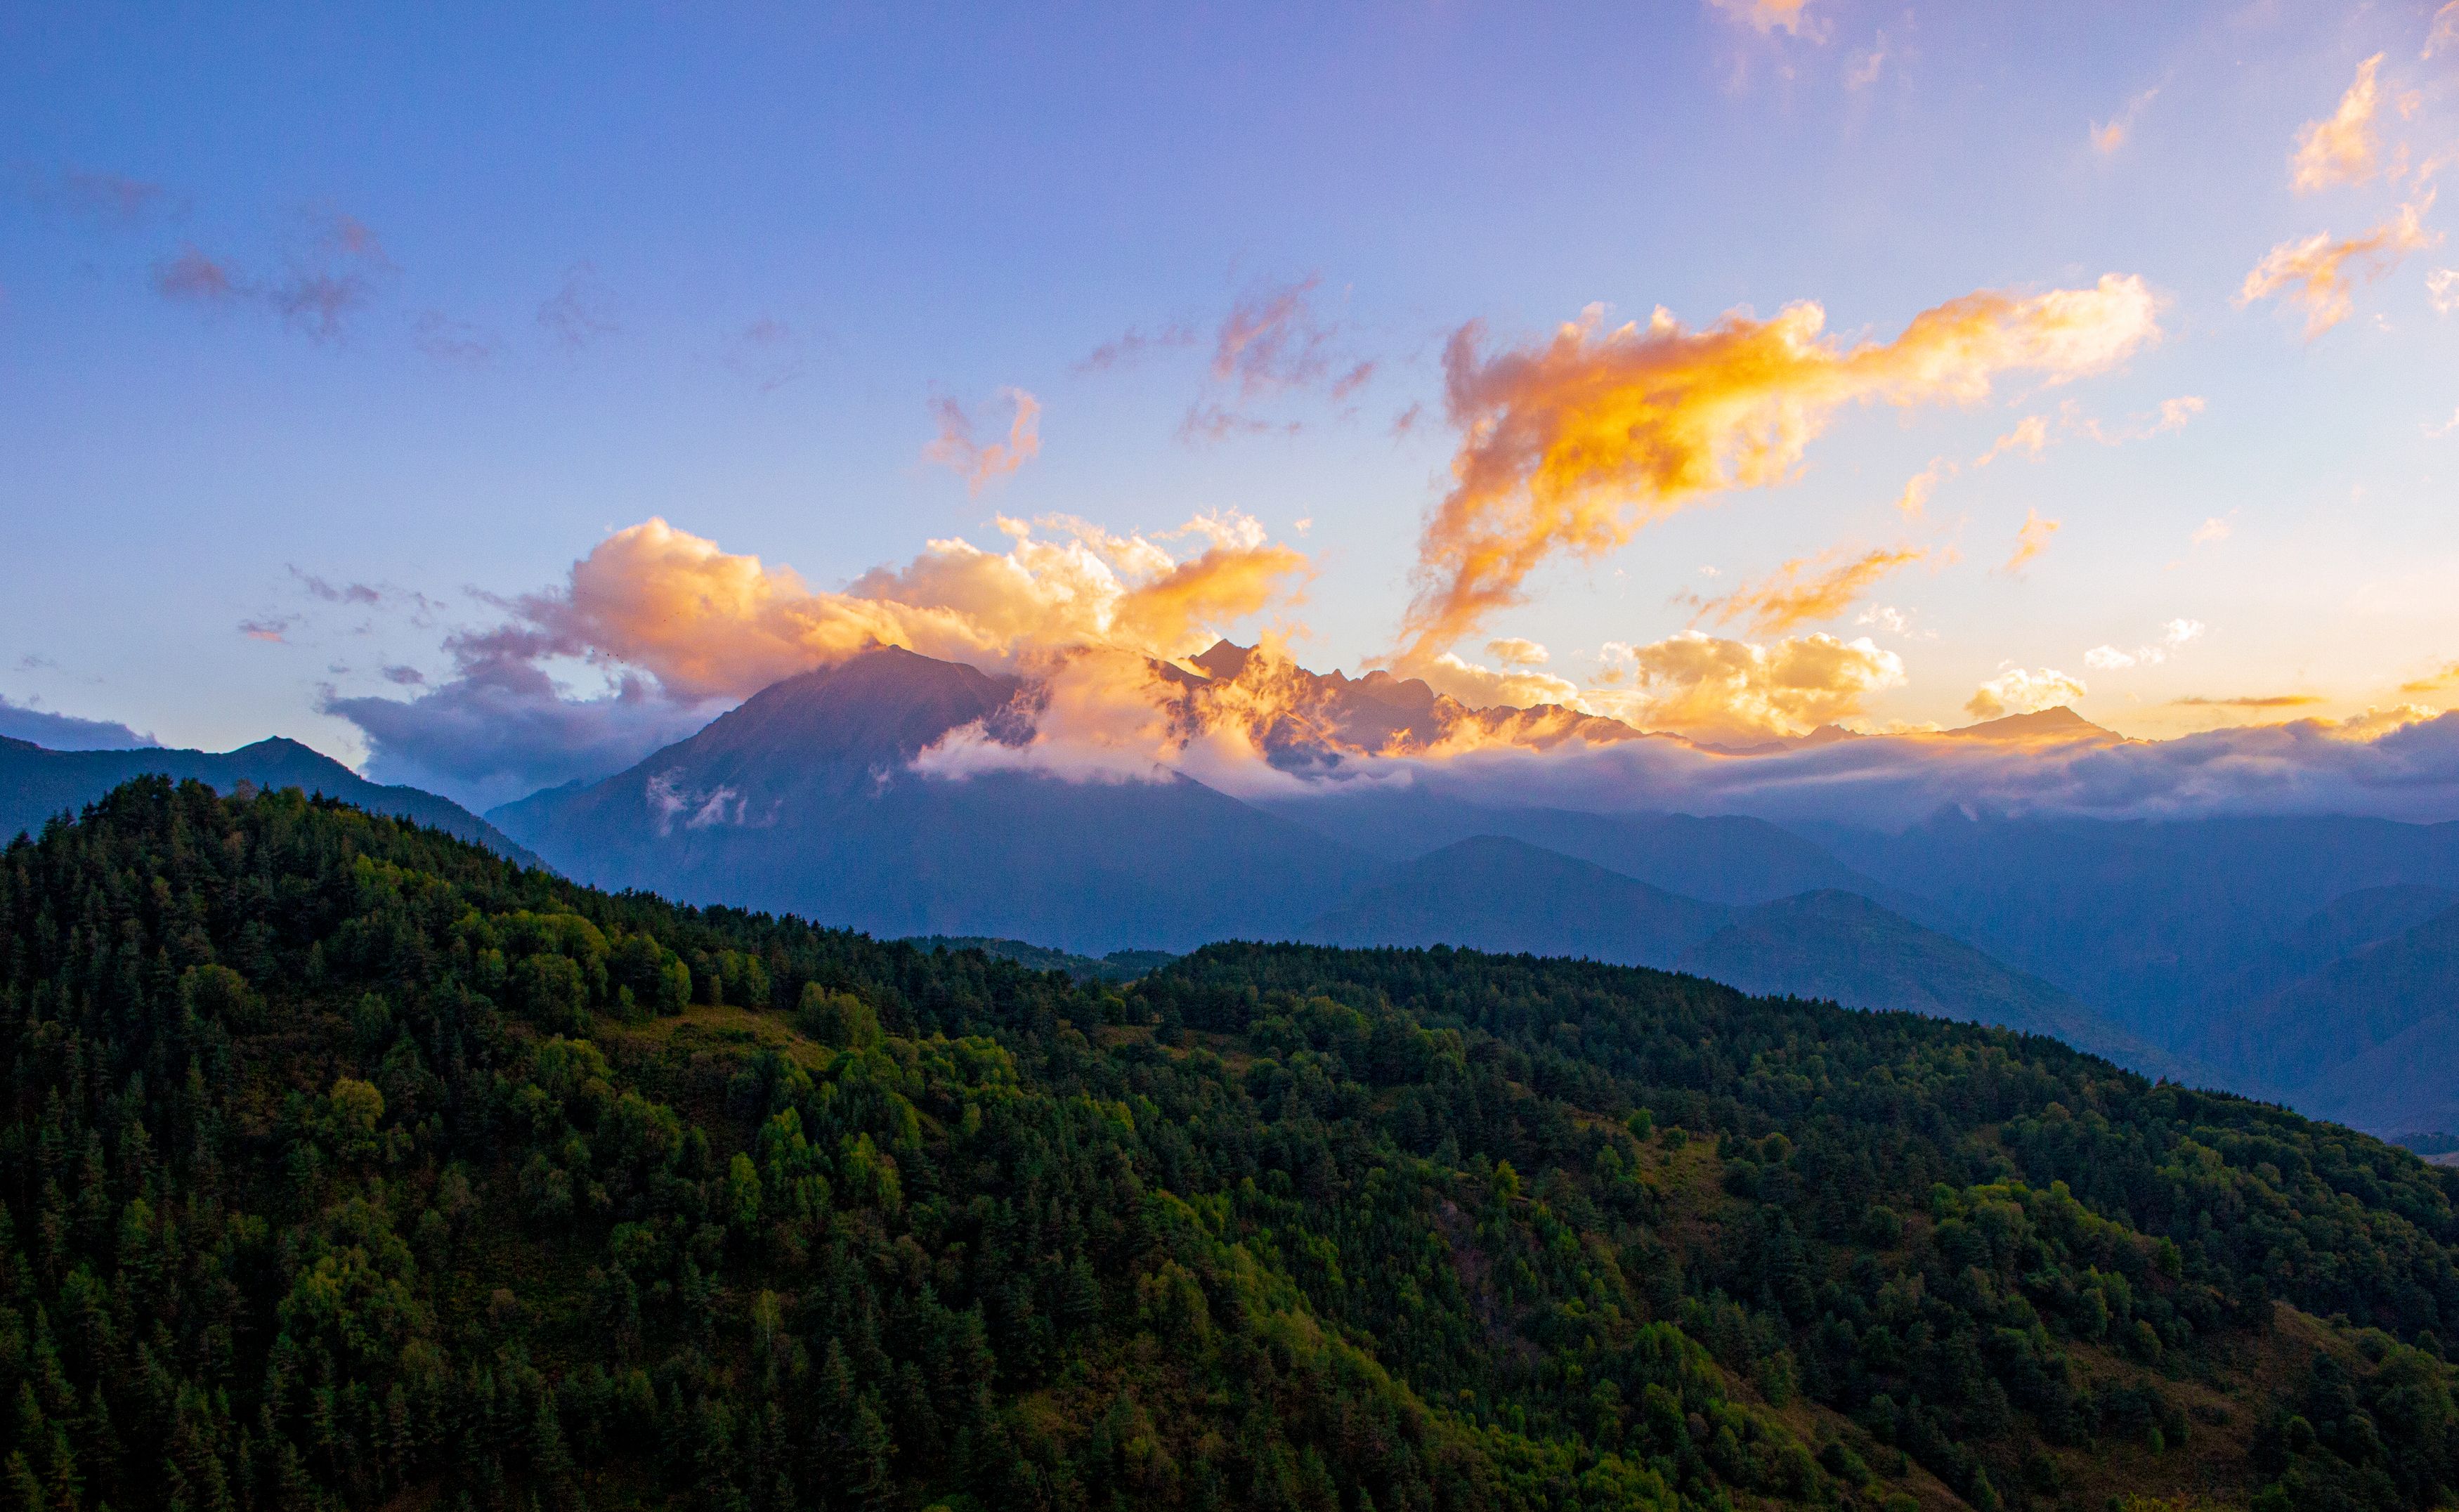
(346, 1164)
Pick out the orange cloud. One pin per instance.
(711, 623)
(2029, 541)
(1915, 498)
(2340, 148)
(1737, 692)
(1766, 16)
(1808, 588)
(2321, 274)
(1577, 444)
(957, 450)
(2107, 137)
(2265, 702)
(2031, 435)
(2017, 691)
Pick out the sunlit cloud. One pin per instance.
(2320, 273)
(1575, 445)
(956, 448)
(1736, 691)
(2442, 285)
(2030, 436)
(2213, 531)
(1132, 345)
(1513, 651)
(2019, 691)
(2270, 701)
(1767, 17)
(2444, 33)
(1914, 500)
(2108, 135)
(579, 311)
(2340, 148)
(2030, 540)
(2176, 635)
(1810, 588)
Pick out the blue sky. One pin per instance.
(620, 263)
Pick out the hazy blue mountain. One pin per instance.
(804, 799)
(2209, 1023)
(1493, 894)
(37, 784)
(1723, 859)
(1842, 946)
(2143, 917)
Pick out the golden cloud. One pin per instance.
(1738, 692)
(956, 449)
(709, 623)
(1765, 16)
(1810, 588)
(1577, 444)
(2261, 702)
(2340, 148)
(2017, 691)
(2321, 274)
(2032, 540)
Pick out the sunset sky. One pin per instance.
(331, 340)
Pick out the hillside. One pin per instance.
(37, 785)
(354, 1166)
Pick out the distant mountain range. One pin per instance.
(2310, 959)
(39, 784)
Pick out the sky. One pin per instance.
(423, 384)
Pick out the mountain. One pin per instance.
(805, 800)
(1722, 859)
(1844, 947)
(37, 785)
(1500, 895)
(1492, 894)
(2142, 917)
(2370, 1039)
(1118, 966)
(378, 1172)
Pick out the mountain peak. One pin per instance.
(2059, 724)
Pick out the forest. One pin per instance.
(346, 1164)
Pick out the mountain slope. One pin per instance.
(1493, 894)
(36, 784)
(366, 1171)
(1720, 859)
(805, 800)
(1844, 947)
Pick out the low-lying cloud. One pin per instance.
(58, 731)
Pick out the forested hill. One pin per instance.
(349, 1166)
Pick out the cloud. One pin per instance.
(1714, 689)
(1867, 66)
(2108, 135)
(2320, 273)
(2213, 531)
(1513, 651)
(2433, 682)
(1768, 16)
(1483, 687)
(2340, 148)
(108, 202)
(2445, 31)
(2018, 691)
(579, 311)
(502, 728)
(444, 339)
(2030, 436)
(350, 593)
(1810, 588)
(768, 353)
(198, 279)
(338, 277)
(1577, 444)
(1915, 498)
(2174, 636)
(2442, 285)
(275, 628)
(1134, 346)
(956, 449)
(2264, 702)
(2030, 540)
(1271, 341)
(55, 731)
